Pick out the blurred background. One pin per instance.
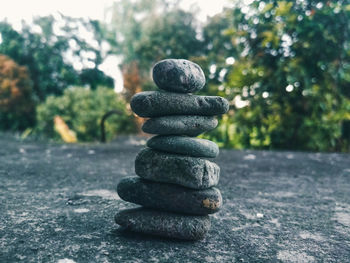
(283, 65)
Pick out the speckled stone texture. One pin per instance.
(169, 197)
(58, 202)
(171, 181)
(157, 103)
(178, 75)
(180, 125)
(192, 172)
(184, 145)
(165, 224)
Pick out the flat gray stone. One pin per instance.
(184, 145)
(159, 103)
(192, 172)
(169, 197)
(180, 125)
(163, 224)
(178, 75)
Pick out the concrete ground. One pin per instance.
(57, 204)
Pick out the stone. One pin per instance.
(159, 103)
(169, 197)
(164, 224)
(184, 145)
(192, 172)
(180, 125)
(304, 197)
(178, 75)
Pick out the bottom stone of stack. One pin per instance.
(165, 224)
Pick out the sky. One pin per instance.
(16, 10)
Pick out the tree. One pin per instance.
(218, 48)
(48, 71)
(290, 84)
(50, 46)
(16, 104)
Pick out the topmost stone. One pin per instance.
(178, 75)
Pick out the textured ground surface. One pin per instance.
(57, 204)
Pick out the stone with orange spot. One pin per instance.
(169, 197)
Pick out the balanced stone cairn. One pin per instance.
(175, 182)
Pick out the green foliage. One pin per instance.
(94, 78)
(44, 46)
(82, 110)
(218, 46)
(42, 59)
(289, 86)
(284, 66)
(16, 103)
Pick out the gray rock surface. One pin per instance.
(184, 145)
(180, 125)
(178, 75)
(58, 201)
(159, 103)
(160, 223)
(192, 172)
(169, 197)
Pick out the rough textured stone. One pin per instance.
(169, 197)
(178, 75)
(184, 145)
(163, 224)
(57, 201)
(159, 103)
(187, 171)
(180, 125)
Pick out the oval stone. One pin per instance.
(180, 125)
(169, 197)
(164, 224)
(158, 103)
(178, 75)
(187, 171)
(184, 145)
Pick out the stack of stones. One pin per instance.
(175, 182)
